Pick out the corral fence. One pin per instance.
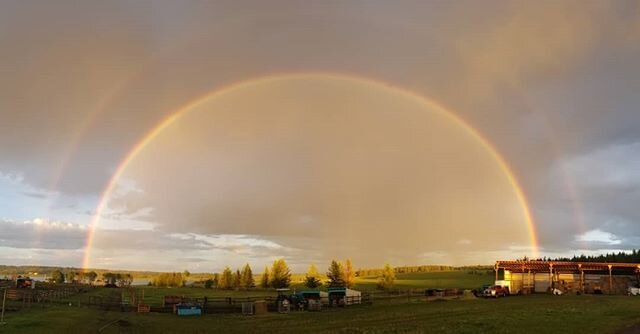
(209, 305)
(44, 293)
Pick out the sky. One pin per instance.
(373, 130)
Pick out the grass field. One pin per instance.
(446, 279)
(451, 279)
(525, 314)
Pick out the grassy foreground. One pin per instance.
(524, 314)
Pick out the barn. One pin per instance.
(523, 277)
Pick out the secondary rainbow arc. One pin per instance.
(436, 107)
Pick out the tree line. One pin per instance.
(89, 277)
(279, 276)
(632, 256)
(171, 279)
(404, 269)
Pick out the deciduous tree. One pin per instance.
(349, 274)
(388, 278)
(91, 276)
(57, 277)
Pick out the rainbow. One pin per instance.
(172, 117)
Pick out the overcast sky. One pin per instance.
(325, 164)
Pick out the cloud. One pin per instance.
(614, 166)
(598, 236)
(43, 234)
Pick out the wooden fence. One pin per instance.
(210, 305)
(43, 293)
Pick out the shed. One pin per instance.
(344, 296)
(578, 277)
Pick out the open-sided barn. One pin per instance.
(580, 277)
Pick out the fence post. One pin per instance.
(4, 299)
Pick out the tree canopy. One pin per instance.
(280, 274)
(226, 279)
(313, 279)
(349, 275)
(335, 274)
(264, 279)
(388, 278)
(246, 278)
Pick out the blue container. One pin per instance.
(187, 309)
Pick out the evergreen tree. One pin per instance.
(388, 278)
(264, 280)
(246, 281)
(226, 279)
(335, 274)
(349, 275)
(280, 274)
(237, 279)
(216, 280)
(312, 279)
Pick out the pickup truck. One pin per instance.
(496, 291)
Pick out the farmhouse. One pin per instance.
(579, 277)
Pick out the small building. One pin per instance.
(314, 299)
(314, 295)
(344, 296)
(523, 277)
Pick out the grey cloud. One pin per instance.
(41, 234)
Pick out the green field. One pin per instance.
(526, 314)
(446, 279)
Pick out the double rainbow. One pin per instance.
(173, 117)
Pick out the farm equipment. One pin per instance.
(496, 291)
(480, 292)
(25, 283)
